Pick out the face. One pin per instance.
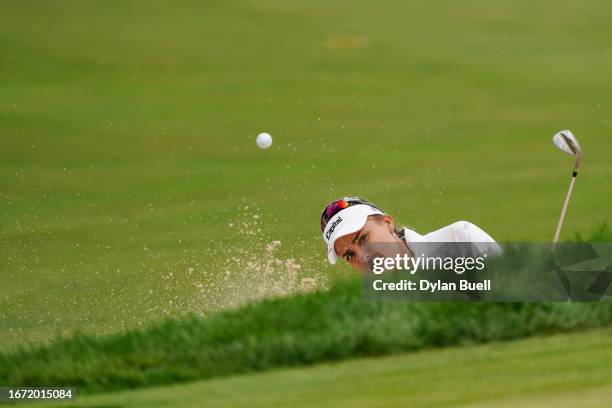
(353, 247)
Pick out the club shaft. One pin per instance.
(564, 209)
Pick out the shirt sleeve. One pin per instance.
(465, 231)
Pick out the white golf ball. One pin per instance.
(264, 140)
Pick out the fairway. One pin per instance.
(131, 187)
(153, 254)
(561, 371)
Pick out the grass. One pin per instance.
(562, 371)
(302, 329)
(134, 203)
(290, 331)
(128, 140)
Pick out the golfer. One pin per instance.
(350, 223)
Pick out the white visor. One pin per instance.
(347, 221)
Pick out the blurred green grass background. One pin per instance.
(128, 131)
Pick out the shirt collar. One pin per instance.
(412, 237)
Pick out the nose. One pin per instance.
(369, 260)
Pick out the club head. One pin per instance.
(566, 141)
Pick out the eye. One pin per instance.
(363, 238)
(350, 256)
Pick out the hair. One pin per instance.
(381, 219)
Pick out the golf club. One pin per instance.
(567, 142)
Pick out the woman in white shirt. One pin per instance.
(349, 224)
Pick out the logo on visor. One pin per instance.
(333, 227)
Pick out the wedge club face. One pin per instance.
(567, 142)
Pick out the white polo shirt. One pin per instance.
(460, 231)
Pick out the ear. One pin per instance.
(389, 222)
